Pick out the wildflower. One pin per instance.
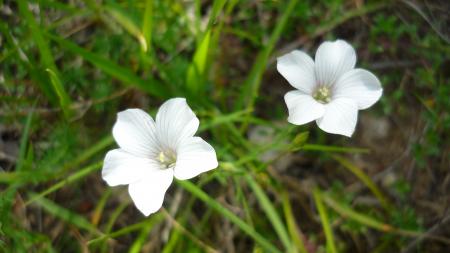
(152, 153)
(329, 90)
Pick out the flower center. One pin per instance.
(322, 95)
(167, 158)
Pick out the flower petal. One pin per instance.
(302, 107)
(194, 156)
(121, 167)
(298, 69)
(148, 193)
(340, 117)
(134, 131)
(175, 121)
(360, 85)
(332, 60)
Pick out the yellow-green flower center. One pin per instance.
(322, 94)
(167, 158)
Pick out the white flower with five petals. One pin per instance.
(152, 153)
(329, 90)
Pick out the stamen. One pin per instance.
(323, 94)
(167, 159)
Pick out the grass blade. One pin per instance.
(216, 9)
(136, 247)
(127, 23)
(154, 219)
(77, 176)
(64, 100)
(36, 75)
(98, 211)
(327, 148)
(47, 59)
(123, 74)
(347, 212)
(263, 242)
(24, 143)
(195, 80)
(147, 23)
(271, 213)
(250, 88)
(64, 214)
(331, 247)
(110, 224)
(365, 179)
(221, 119)
(361, 218)
(294, 231)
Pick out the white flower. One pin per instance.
(152, 153)
(329, 90)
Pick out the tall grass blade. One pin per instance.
(250, 88)
(195, 79)
(263, 242)
(24, 143)
(331, 247)
(46, 55)
(271, 212)
(293, 229)
(147, 23)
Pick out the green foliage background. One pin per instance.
(67, 68)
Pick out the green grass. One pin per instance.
(67, 69)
